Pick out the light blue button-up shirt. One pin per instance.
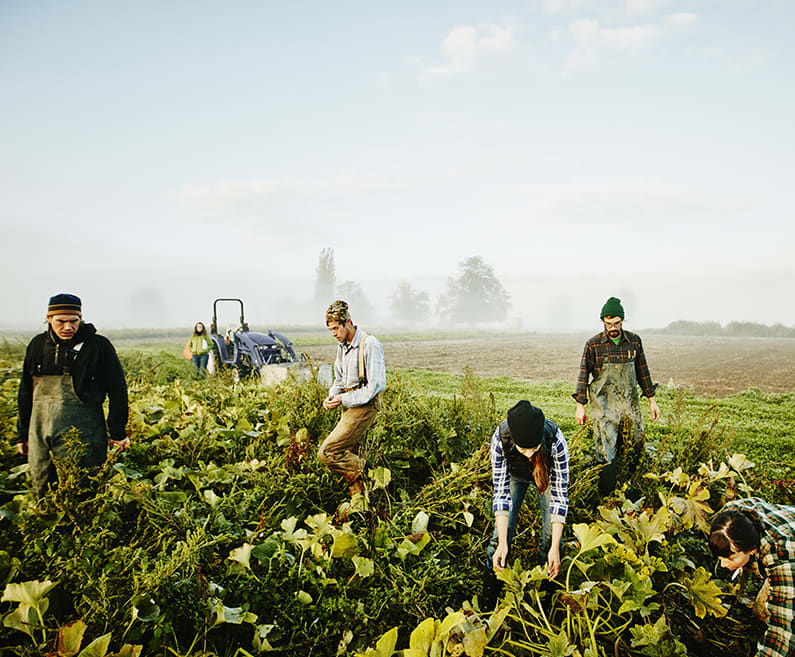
(346, 371)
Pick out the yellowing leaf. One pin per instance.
(364, 566)
(423, 635)
(69, 638)
(97, 648)
(739, 462)
(704, 594)
(242, 555)
(591, 536)
(475, 642)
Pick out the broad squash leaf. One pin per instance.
(241, 555)
(704, 594)
(364, 566)
(591, 536)
(69, 638)
(97, 648)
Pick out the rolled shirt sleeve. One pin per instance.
(559, 480)
(501, 503)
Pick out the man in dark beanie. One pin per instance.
(68, 371)
(613, 366)
(526, 449)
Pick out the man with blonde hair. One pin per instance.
(68, 372)
(359, 379)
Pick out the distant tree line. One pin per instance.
(473, 296)
(732, 329)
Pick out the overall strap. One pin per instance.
(362, 373)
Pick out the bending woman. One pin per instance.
(526, 449)
(753, 534)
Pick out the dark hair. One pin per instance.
(735, 530)
(204, 329)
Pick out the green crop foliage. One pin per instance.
(219, 532)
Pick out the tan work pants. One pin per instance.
(340, 451)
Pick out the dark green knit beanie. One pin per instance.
(612, 308)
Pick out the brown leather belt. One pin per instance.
(344, 390)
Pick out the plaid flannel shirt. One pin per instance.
(600, 349)
(776, 562)
(558, 478)
(346, 371)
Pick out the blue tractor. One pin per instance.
(248, 353)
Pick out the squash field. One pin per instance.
(218, 532)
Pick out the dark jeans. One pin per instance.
(518, 490)
(200, 364)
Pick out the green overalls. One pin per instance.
(56, 409)
(613, 396)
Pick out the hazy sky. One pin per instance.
(160, 154)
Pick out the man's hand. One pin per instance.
(553, 561)
(22, 448)
(582, 418)
(331, 402)
(654, 410)
(499, 558)
(121, 445)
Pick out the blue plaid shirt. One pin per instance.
(346, 371)
(558, 478)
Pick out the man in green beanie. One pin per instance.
(613, 366)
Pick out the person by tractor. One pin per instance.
(68, 372)
(199, 346)
(613, 365)
(760, 537)
(526, 449)
(359, 379)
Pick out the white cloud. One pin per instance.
(465, 44)
(556, 6)
(684, 18)
(645, 6)
(625, 204)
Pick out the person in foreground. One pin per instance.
(359, 379)
(526, 448)
(67, 373)
(753, 534)
(613, 365)
(199, 345)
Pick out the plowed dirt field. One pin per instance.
(712, 366)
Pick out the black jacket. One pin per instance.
(96, 373)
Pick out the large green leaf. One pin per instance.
(241, 555)
(420, 523)
(97, 648)
(475, 642)
(382, 477)
(423, 637)
(27, 594)
(559, 646)
(693, 509)
(591, 537)
(145, 609)
(647, 634)
(364, 566)
(704, 594)
(344, 544)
